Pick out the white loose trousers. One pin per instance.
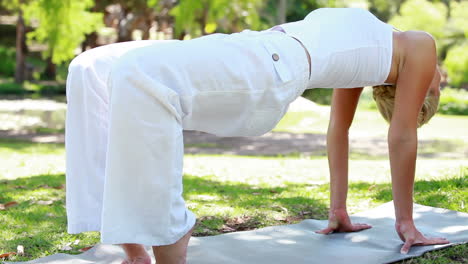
(128, 104)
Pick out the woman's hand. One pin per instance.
(339, 221)
(412, 237)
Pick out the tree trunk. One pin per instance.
(282, 8)
(20, 51)
(90, 41)
(125, 25)
(50, 71)
(203, 20)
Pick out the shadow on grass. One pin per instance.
(286, 144)
(41, 228)
(34, 225)
(446, 193)
(260, 203)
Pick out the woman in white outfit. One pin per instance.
(128, 104)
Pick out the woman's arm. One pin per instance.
(343, 107)
(413, 82)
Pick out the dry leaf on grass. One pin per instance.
(7, 255)
(45, 186)
(226, 229)
(85, 249)
(44, 202)
(8, 205)
(293, 219)
(280, 208)
(66, 247)
(241, 223)
(279, 218)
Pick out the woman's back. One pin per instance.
(349, 47)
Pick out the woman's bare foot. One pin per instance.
(136, 254)
(175, 253)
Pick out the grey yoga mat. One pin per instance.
(297, 243)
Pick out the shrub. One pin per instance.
(453, 102)
(456, 63)
(319, 95)
(8, 61)
(8, 33)
(11, 88)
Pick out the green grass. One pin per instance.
(369, 123)
(226, 193)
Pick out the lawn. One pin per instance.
(369, 123)
(230, 193)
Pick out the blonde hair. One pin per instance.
(384, 96)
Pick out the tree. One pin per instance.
(62, 25)
(422, 15)
(21, 47)
(384, 9)
(456, 61)
(207, 16)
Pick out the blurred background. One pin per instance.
(231, 184)
(38, 38)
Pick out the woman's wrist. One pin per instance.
(338, 209)
(404, 221)
(337, 202)
(404, 225)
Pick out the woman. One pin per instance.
(128, 104)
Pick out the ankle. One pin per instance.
(135, 251)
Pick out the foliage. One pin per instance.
(384, 9)
(456, 61)
(207, 16)
(298, 9)
(319, 95)
(62, 25)
(453, 102)
(10, 5)
(7, 59)
(33, 89)
(422, 15)
(8, 33)
(459, 18)
(11, 88)
(456, 64)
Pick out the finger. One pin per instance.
(325, 231)
(436, 241)
(358, 227)
(406, 247)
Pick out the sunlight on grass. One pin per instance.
(370, 124)
(227, 193)
(18, 159)
(277, 171)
